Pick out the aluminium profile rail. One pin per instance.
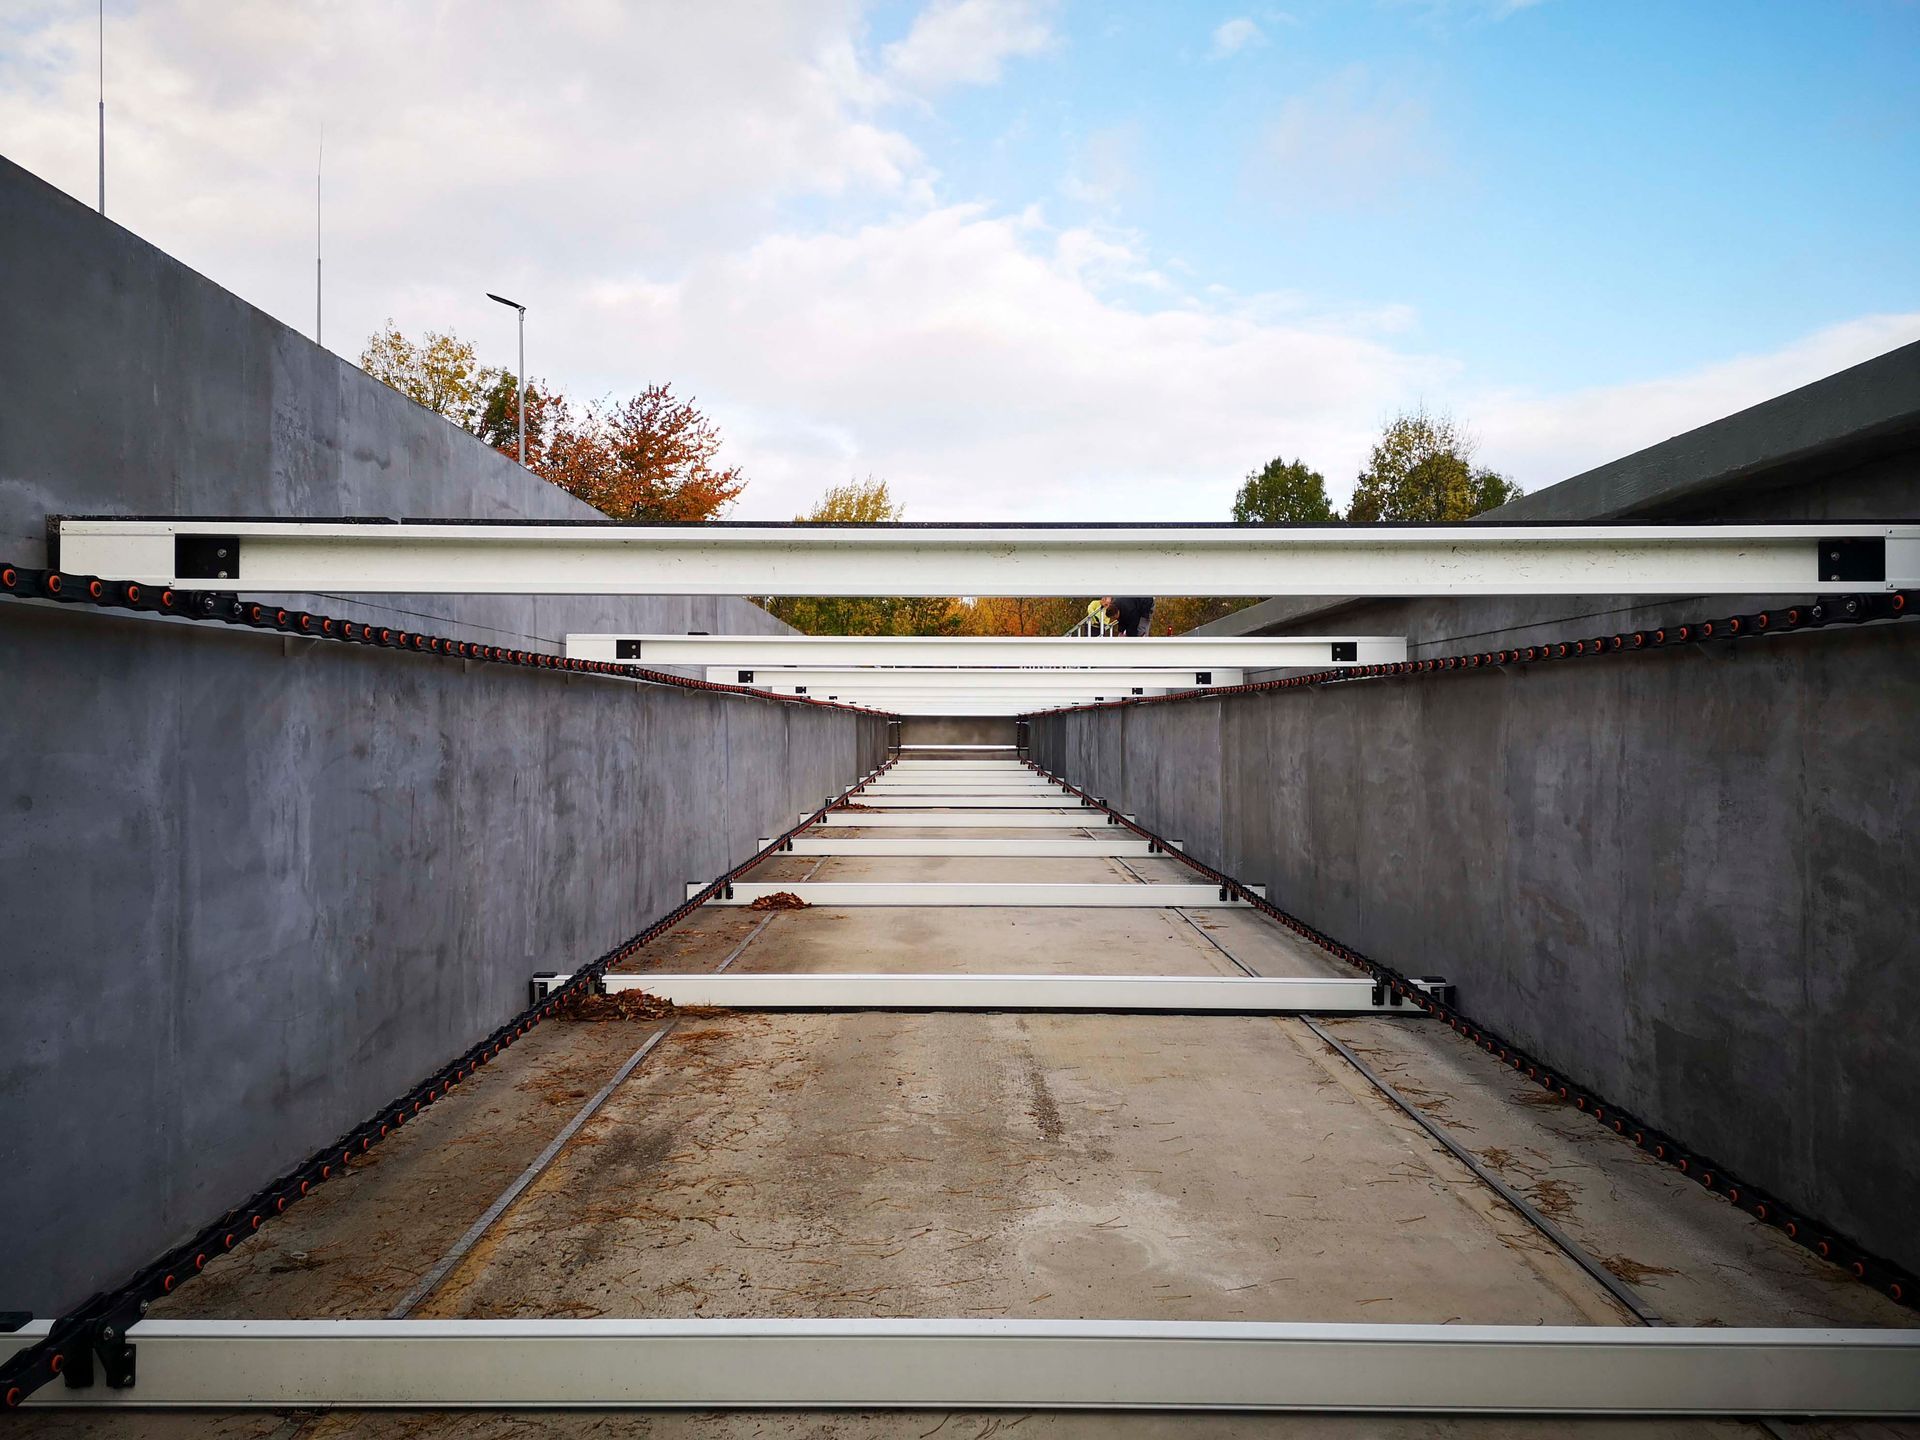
(1061, 849)
(1105, 994)
(372, 556)
(1023, 655)
(996, 1364)
(976, 676)
(833, 894)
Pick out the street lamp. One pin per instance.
(520, 380)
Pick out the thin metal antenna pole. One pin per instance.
(319, 163)
(520, 402)
(103, 107)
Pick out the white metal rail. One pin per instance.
(442, 557)
(967, 819)
(1192, 655)
(969, 801)
(875, 680)
(1115, 994)
(861, 893)
(1025, 1364)
(961, 849)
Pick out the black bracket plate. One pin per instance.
(1852, 560)
(206, 557)
(1346, 650)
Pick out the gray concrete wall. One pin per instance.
(1684, 877)
(130, 385)
(251, 888)
(957, 730)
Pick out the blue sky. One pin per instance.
(1039, 258)
(1556, 188)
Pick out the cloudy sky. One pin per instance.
(1040, 260)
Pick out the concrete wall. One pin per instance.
(251, 888)
(957, 730)
(133, 386)
(1684, 877)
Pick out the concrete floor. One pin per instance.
(1035, 1166)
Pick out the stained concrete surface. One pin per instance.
(1192, 1167)
(254, 893)
(254, 886)
(1681, 877)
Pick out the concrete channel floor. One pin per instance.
(984, 1164)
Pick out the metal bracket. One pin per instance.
(1853, 558)
(104, 1339)
(206, 557)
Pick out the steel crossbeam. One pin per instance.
(962, 849)
(1117, 994)
(833, 894)
(994, 1364)
(962, 702)
(468, 557)
(963, 801)
(969, 819)
(1012, 785)
(1054, 656)
(879, 678)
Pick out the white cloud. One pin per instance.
(639, 179)
(966, 42)
(981, 365)
(1233, 36)
(1540, 439)
(1104, 167)
(1347, 142)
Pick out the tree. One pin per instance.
(498, 419)
(858, 502)
(863, 502)
(1283, 492)
(649, 458)
(1177, 614)
(441, 372)
(1022, 615)
(1422, 470)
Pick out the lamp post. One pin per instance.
(520, 379)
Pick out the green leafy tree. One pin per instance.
(1283, 492)
(1422, 470)
(498, 419)
(441, 372)
(863, 502)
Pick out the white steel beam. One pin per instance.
(1118, 994)
(976, 786)
(958, 699)
(876, 679)
(996, 769)
(960, 849)
(969, 819)
(466, 557)
(935, 792)
(997, 1364)
(968, 802)
(1119, 895)
(961, 801)
(974, 707)
(1055, 656)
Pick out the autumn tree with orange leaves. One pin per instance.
(651, 458)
